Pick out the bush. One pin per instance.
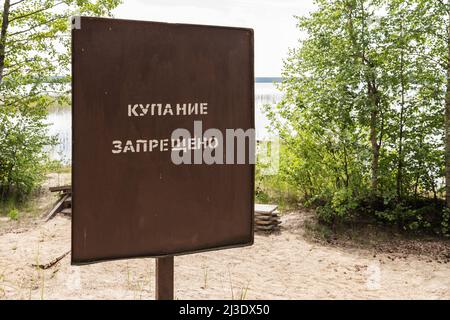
(273, 188)
(341, 207)
(410, 218)
(23, 159)
(13, 214)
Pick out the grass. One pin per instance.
(136, 285)
(243, 295)
(13, 214)
(205, 277)
(63, 169)
(231, 283)
(271, 190)
(35, 279)
(38, 202)
(243, 290)
(17, 211)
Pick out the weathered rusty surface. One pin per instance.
(141, 204)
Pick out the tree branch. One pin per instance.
(16, 3)
(37, 26)
(32, 13)
(30, 38)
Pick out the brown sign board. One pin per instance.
(129, 198)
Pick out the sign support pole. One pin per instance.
(164, 278)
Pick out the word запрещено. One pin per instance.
(144, 145)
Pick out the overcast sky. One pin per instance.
(272, 20)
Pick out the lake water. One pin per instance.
(60, 122)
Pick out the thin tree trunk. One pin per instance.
(347, 176)
(416, 186)
(433, 188)
(373, 138)
(375, 153)
(417, 177)
(401, 125)
(360, 52)
(4, 30)
(447, 125)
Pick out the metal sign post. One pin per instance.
(164, 278)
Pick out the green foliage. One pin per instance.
(23, 161)
(340, 207)
(273, 188)
(34, 49)
(13, 214)
(361, 122)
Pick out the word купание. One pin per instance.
(167, 109)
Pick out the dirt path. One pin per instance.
(282, 266)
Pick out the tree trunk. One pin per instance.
(400, 152)
(375, 153)
(360, 52)
(401, 122)
(416, 186)
(347, 175)
(447, 125)
(433, 188)
(4, 30)
(372, 93)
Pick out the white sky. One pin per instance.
(272, 20)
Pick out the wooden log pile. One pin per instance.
(64, 203)
(266, 218)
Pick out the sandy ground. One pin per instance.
(287, 265)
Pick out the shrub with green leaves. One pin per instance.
(13, 214)
(23, 158)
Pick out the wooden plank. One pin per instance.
(269, 227)
(61, 188)
(265, 216)
(66, 211)
(266, 213)
(56, 208)
(265, 208)
(271, 217)
(264, 223)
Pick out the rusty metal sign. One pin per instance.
(139, 188)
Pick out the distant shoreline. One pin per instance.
(268, 79)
